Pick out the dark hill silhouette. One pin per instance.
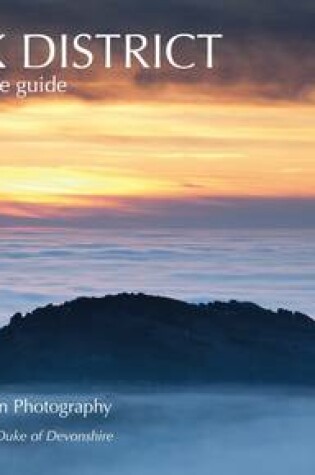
(138, 338)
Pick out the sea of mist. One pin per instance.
(275, 268)
(223, 431)
(220, 431)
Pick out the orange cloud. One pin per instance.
(69, 153)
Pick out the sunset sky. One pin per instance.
(124, 146)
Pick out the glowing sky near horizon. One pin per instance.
(73, 153)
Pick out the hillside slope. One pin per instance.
(139, 338)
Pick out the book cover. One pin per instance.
(157, 243)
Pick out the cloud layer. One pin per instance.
(267, 51)
(273, 268)
(132, 213)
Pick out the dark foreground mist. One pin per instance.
(215, 431)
